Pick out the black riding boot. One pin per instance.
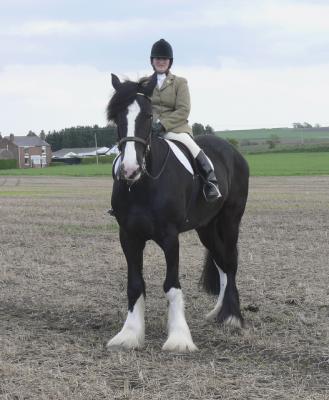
(210, 188)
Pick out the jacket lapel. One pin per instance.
(168, 81)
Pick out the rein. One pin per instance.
(155, 177)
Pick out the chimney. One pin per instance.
(11, 137)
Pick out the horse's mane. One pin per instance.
(123, 97)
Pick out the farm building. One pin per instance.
(72, 155)
(28, 151)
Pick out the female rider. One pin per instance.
(171, 108)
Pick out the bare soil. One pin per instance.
(62, 296)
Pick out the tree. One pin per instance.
(31, 133)
(198, 129)
(234, 142)
(209, 130)
(273, 141)
(42, 135)
(82, 136)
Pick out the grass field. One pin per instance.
(288, 164)
(267, 164)
(63, 295)
(283, 133)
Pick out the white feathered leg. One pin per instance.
(179, 335)
(132, 334)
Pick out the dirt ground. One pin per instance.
(62, 296)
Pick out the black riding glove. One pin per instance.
(158, 129)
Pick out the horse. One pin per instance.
(155, 198)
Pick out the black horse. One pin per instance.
(155, 198)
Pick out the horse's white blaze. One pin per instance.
(129, 162)
(179, 335)
(132, 333)
(223, 283)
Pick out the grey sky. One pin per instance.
(249, 63)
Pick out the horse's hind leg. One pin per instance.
(219, 276)
(132, 334)
(179, 336)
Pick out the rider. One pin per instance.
(171, 108)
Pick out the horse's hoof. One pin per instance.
(179, 344)
(127, 340)
(234, 322)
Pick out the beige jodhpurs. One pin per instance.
(186, 139)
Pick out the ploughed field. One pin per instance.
(63, 284)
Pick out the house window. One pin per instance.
(44, 150)
(26, 156)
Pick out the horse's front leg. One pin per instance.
(132, 333)
(179, 336)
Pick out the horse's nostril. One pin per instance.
(130, 173)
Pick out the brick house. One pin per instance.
(29, 151)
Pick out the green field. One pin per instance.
(267, 164)
(298, 134)
(285, 164)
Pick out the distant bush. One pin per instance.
(8, 164)
(247, 142)
(234, 142)
(273, 141)
(101, 159)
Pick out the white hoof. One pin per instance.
(127, 339)
(178, 342)
(233, 321)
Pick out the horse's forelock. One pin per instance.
(122, 98)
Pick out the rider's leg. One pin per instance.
(211, 190)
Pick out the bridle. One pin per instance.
(144, 142)
(147, 147)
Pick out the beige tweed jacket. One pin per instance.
(171, 104)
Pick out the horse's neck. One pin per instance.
(157, 155)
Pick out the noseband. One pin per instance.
(144, 142)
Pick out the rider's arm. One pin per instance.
(179, 115)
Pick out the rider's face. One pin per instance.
(161, 65)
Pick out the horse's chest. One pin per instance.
(137, 222)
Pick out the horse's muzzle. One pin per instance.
(130, 175)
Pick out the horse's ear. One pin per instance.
(150, 85)
(115, 82)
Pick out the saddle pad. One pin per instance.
(181, 157)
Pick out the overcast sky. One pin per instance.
(249, 63)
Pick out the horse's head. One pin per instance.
(130, 109)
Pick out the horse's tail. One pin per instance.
(210, 278)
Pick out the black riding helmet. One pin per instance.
(162, 49)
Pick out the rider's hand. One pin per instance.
(158, 129)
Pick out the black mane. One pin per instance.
(123, 97)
